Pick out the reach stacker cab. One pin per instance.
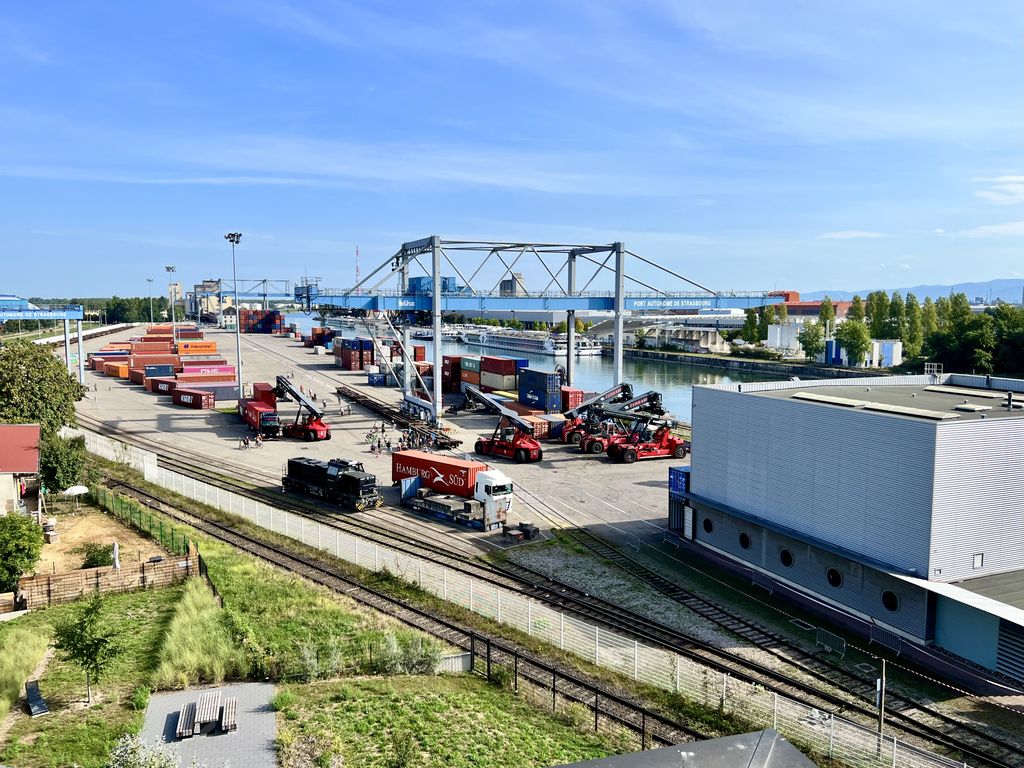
(652, 439)
(512, 438)
(584, 415)
(309, 427)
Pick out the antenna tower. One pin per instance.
(357, 265)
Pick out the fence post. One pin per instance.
(561, 631)
(775, 710)
(488, 659)
(597, 704)
(636, 658)
(161, 533)
(721, 700)
(893, 752)
(515, 673)
(678, 671)
(472, 652)
(554, 690)
(831, 732)
(643, 729)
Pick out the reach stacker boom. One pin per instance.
(512, 438)
(309, 427)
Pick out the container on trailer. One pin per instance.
(439, 473)
(158, 370)
(222, 391)
(264, 392)
(497, 380)
(193, 398)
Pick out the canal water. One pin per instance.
(675, 381)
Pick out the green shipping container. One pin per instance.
(471, 364)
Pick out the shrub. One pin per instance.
(403, 750)
(140, 698)
(197, 646)
(132, 752)
(21, 542)
(95, 555)
(281, 700)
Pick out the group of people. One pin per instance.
(256, 442)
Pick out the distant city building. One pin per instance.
(512, 286)
(894, 508)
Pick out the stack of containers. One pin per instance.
(261, 321)
(469, 371)
(540, 427)
(349, 356)
(556, 424)
(540, 390)
(571, 398)
(365, 351)
(497, 373)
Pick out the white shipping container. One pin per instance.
(497, 380)
(371, 369)
(319, 350)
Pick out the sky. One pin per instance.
(799, 144)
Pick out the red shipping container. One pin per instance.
(96, 363)
(522, 410)
(470, 377)
(137, 375)
(506, 366)
(571, 397)
(141, 361)
(162, 385)
(151, 348)
(440, 473)
(264, 392)
(419, 352)
(541, 428)
(193, 398)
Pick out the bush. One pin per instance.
(132, 752)
(198, 646)
(281, 700)
(95, 555)
(755, 352)
(21, 542)
(140, 698)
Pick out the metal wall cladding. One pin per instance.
(858, 480)
(861, 588)
(497, 380)
(542, 400)
(193, 398)
(979, 495)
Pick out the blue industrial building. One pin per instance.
(891, 505)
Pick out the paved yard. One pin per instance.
(251, 746)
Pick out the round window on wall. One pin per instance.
(835, 578)
(708, 525)
(786, 558)
(890, 600)
(745, 540)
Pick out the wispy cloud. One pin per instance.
(1002, 190)
(851, 234)
(1006, 229)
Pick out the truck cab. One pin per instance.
(493, 489)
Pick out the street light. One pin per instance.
(235, 238)
(170, 292)
(150, 281)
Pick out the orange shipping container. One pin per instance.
(522, 410)
(141, 361)
(540, 427)
(197, 347)
(470, 377)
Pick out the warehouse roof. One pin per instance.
(962, 592)
(1007, 588)
(935, 402)
(19, 449)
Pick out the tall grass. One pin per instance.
(21, 649)
(198, 646)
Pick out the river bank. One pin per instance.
(748, 365)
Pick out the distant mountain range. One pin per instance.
(1007, 290)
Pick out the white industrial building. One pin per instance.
(892, 504)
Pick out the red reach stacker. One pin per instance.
(309, 427)
(652, 438)
(512, 439)
(608, 426)
(576, 418)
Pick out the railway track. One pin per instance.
(914, 717)
(653, 728)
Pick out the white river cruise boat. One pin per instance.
(529, 342)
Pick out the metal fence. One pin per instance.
(835, 737)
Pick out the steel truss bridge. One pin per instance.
(263, 289)
(65, 312)
(567, 289)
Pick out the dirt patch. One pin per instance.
(90, 525)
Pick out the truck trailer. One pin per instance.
(260, 417)
(466, 492)
(339, 481)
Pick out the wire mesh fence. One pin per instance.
(821, 732)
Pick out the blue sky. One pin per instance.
(748, 145)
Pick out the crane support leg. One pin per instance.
(620, 290)
(436, 273)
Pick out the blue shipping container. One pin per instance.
(329, 346)
(158, 370)
(366, 343)
(540, 399)
(678, 480)
(548, 381)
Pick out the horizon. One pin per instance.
(748, 148)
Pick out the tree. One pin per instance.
(811, 339)
(36, 388)
(964, 341)
(782, 312)
(61, 461)
(764, 319)
(579, 327)
(640, 338)
(854, 337)
(21, 541)
(827, 314)
(896, 327)
(856, 310)
(749, 333)
(562, 327)
(941, 313)
(929, 318)
(915, 329)
(1009, 330)
(876, 314)
(83, 640)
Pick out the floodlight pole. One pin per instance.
(235, 238)
(150, 281)
(170, 293)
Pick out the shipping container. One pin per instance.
(439, 473)
(162, 386)
(152, 348)
(137, 375)
(549, 381)
(207, 368)
(544, 400)
(470, 377)
(141, 361)
(419, 352)
(117, 370)
(158, 370)
(571, 397)
(678, 481)
(540, 427)
(193, 398)
(222, 390)
(497, 380)
(377, 379)
(470, 363)
(523, 410)
(197, 347)
(505, 366)
(264, 392)
(192, 378)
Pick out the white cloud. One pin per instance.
(851, 234)
(1007, 229)
(938, 231)
(1003, 190)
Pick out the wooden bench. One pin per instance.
(36, 703)
(229, 715)
(208, 711)
(186, 721)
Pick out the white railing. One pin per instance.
(849, 742)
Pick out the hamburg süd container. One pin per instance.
(439, 473)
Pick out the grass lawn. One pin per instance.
(72, 733)
(452, 722)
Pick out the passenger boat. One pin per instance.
(530, 342)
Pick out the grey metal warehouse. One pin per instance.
(893, 505)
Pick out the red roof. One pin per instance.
(19, 449)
